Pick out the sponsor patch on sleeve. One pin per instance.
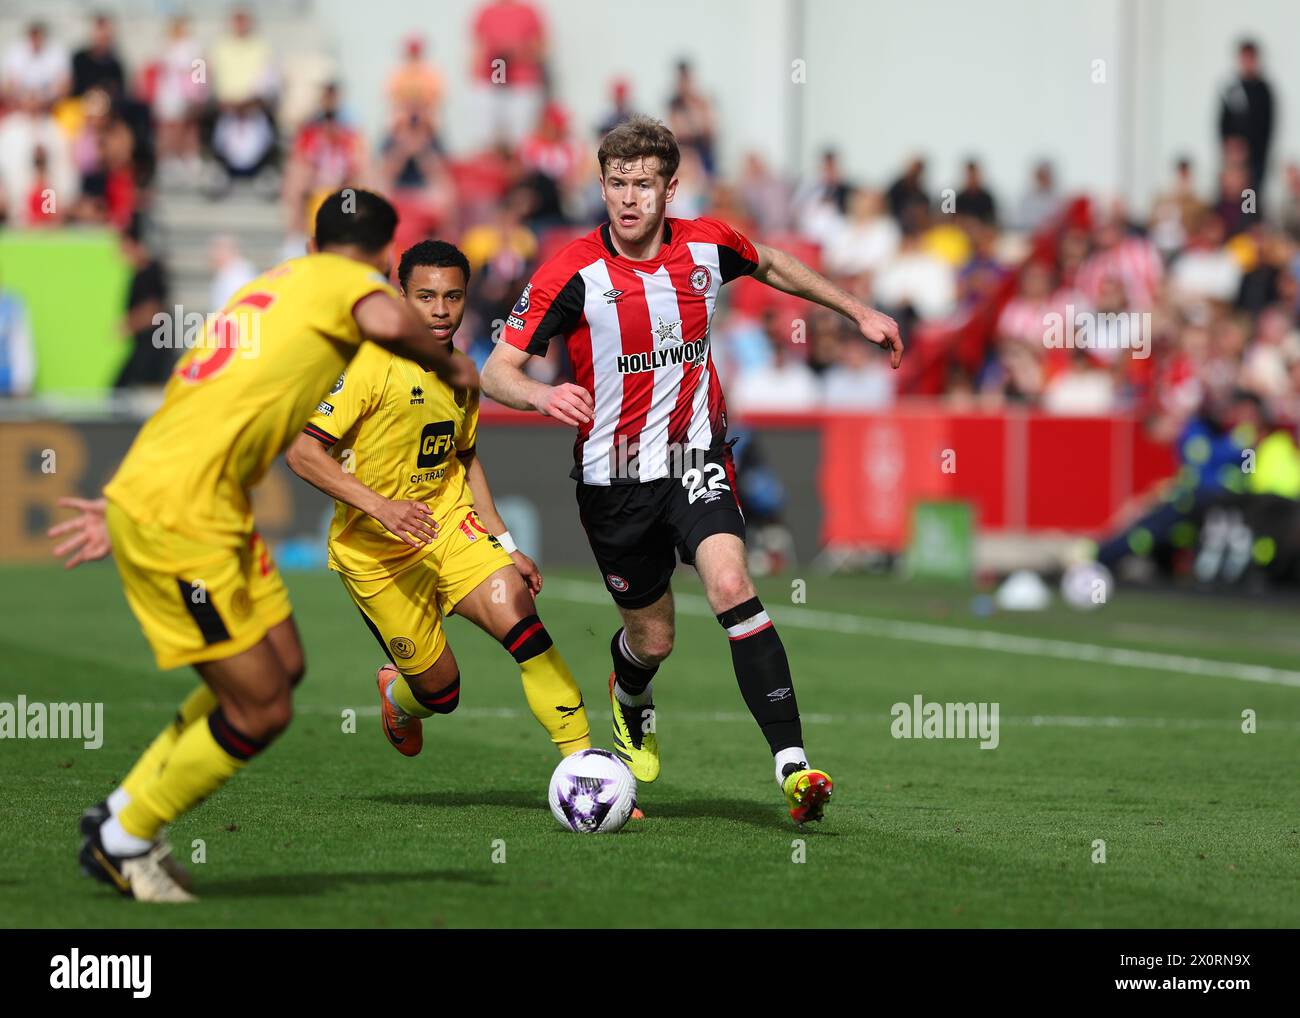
(324, 408)
(515, 322)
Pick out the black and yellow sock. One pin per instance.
(199, 704)
(549, 687)
(419, 704)
(204, 758)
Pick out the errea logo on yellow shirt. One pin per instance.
(436, 441)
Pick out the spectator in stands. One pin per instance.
(1246, 112)
(149, 363)
(555, 165)
(97, 64)
(510, 67)
(982, 273)
(42, 199)
(915, 283)
(35, 70)
(820, 205)
(1014, 375)
(504, 246)
(1235, 208)
(620, 93)
(1291, 209)
(104, 153)
(766, 197)
(1205, 270)
(327, 154)
(243, 146)
(907, 196)
(864, 241)
(415, 89)
(1024, 317)
(242, 65)
(411, 167)
(1119, 252)
(690, 116)
(180, 89)
(1040, 202)
(859, 380)
(231, 271)
(975, 199)
(1263, 283)
(825, 332)
(783, 384)
(24, 132)
(17, 350)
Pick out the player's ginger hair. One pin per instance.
(640, 137)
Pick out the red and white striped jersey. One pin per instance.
(637, 334)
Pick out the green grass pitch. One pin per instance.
(1200, 820)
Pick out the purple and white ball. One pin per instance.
(592, 792)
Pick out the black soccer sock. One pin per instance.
(763, 672)
(632, 676)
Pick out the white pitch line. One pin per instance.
(954, 636)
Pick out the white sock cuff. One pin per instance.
(627, 650)
(785, 757)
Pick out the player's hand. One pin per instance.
(566, 402)
(529, 571)
(883, 331)
(410, 521)
(87, 533)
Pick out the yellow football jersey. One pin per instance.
(398, 428)
(241, 395)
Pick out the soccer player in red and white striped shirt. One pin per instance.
(633, 302)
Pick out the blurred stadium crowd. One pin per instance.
(1214, 263)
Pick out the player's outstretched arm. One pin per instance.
(410, 521)
(486, 507)
(391, 323)
(86, 534)
(787, 273)
(504, 380)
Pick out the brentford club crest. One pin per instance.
(700, 279)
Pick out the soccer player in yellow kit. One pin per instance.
(179, 523)
(416, 535)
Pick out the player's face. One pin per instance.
(636, 196)
(437, 294)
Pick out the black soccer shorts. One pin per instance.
(636, 531)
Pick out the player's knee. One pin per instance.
(274, 716)
(652, 645)
(259, 720)
(729, 588)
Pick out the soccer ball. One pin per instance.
(592, 792)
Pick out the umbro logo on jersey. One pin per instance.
(613, 295)
(417, 395)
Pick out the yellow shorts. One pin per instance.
(196, 602)
(405, 609)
